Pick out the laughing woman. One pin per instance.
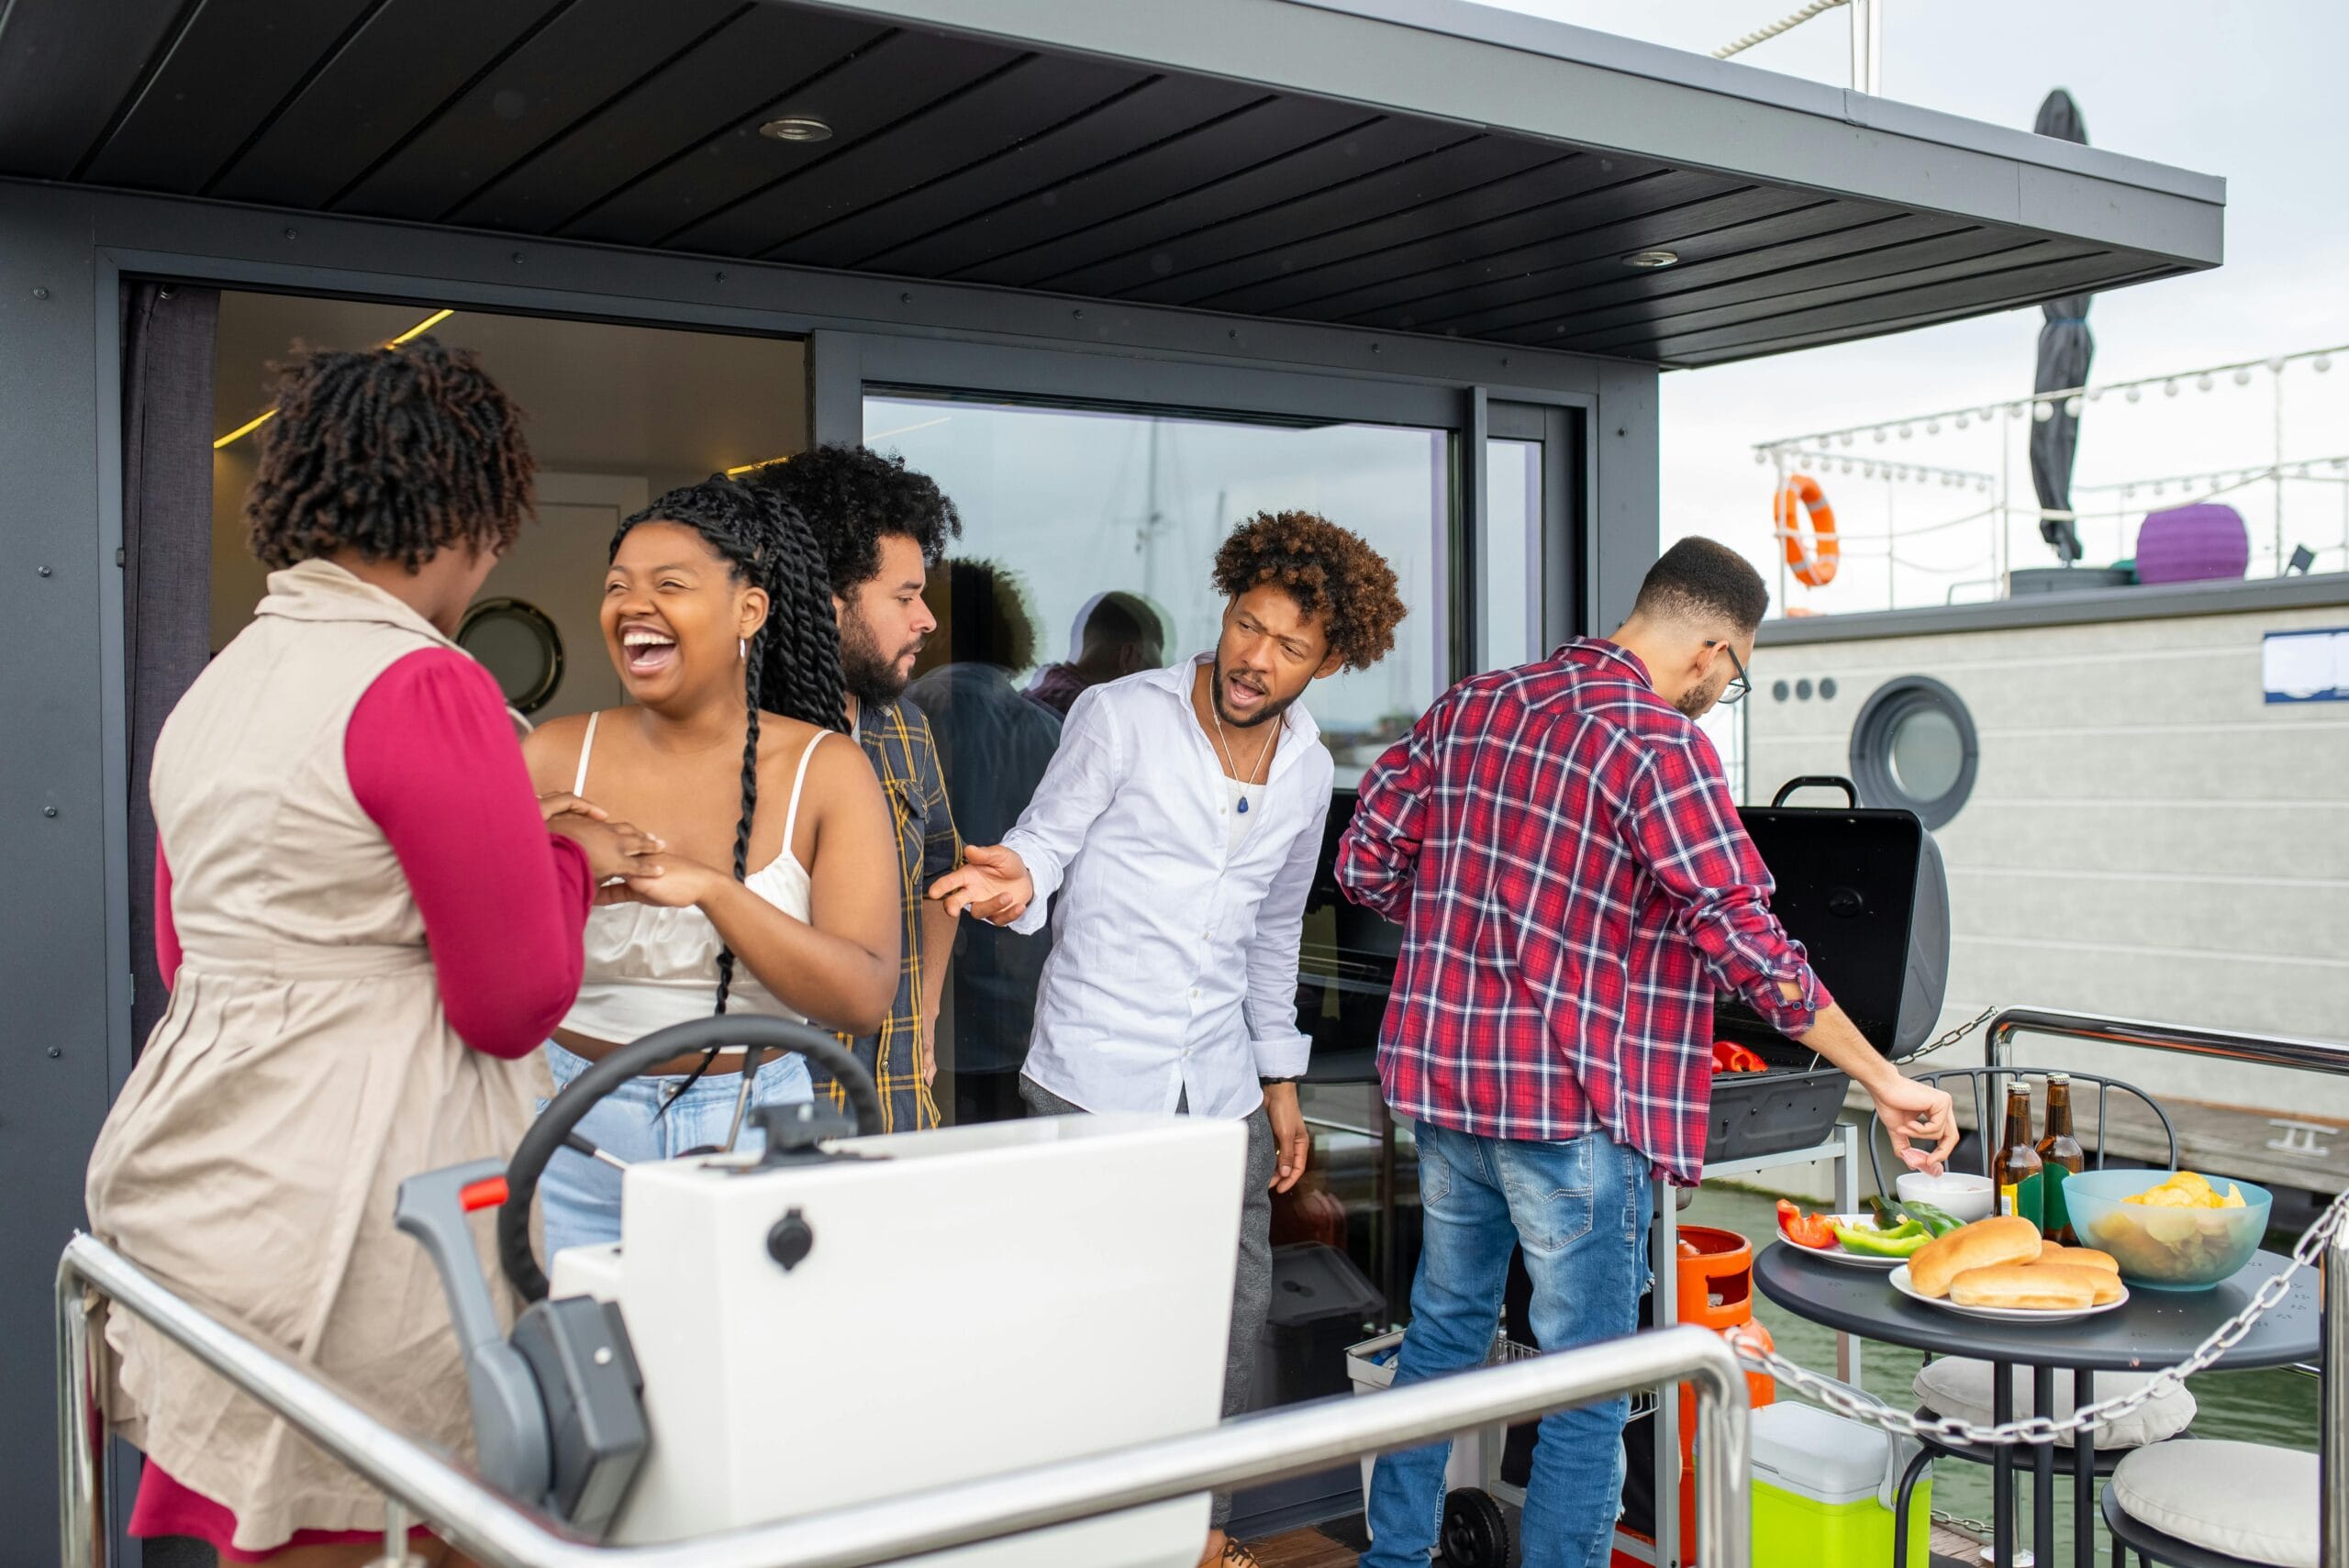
(776, 893)
(367, 927)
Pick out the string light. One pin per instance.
(2169, 388)
(2072, 406)
(2202, 383)
(1963, 420)
(2135, 392)
(2322, 364)
(2043, 412)
(2242, 376)
(1878, 434)
(1906, 432)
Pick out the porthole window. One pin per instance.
(518, 646)
(1914, 747)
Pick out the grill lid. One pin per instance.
(1865, 893)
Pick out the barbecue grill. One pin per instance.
(1863, 890)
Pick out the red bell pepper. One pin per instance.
(1731, 1057)
(1812, 1230)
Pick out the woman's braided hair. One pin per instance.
(794, 662)
(398, 453)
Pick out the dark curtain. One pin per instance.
(167, 337)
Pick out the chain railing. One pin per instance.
(1952, 1036)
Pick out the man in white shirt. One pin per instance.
(1180, 826)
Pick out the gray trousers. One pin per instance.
(1252, 1284)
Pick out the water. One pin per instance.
(2278, 1408)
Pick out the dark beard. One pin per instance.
(1697, 702)
(1273, 709)
(870, 677)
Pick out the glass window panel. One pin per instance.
(1928, 754)
(1508, 570)
(1080, 503)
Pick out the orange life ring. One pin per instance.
(1810, 551)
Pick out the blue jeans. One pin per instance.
(1580, 1211)
(580, 1198)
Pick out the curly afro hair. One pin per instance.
(396, 453)
(852, 497)
(1324, 568)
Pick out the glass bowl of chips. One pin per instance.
(2168, 1229)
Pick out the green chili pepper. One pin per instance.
(1901, 1241)
(1938, 1222)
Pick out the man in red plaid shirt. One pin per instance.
(1574, 886)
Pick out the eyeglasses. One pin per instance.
(1739, 687)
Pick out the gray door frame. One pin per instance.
(64, 252)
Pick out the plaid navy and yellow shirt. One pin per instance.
(897, 738)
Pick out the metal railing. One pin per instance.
(500, 1533)
(2271, 1051)
(2324, 1056)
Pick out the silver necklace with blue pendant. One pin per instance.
(1215, 712)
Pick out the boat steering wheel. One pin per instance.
(554, 1128)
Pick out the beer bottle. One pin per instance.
(2018, 1169)
(2060, 1155)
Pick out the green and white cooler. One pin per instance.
(1823, 1489)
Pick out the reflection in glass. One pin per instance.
(994, 743)
(1928, 754)
(1512, 513)
(1089, 503)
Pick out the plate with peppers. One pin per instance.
(1882, 1238)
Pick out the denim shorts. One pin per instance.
(580, 1198)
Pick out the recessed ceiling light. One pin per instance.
(797, 127)
(1648, 261)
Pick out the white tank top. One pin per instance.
(649, 967)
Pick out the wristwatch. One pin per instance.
(1264, 1081)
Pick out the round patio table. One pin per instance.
(2152, 1329)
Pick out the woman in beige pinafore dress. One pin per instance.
(372, 922)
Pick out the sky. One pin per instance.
(2251, 92)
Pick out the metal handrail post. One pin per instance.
(2273, 1051)
(2333, 1424)
(81, 1426)
(499, 1533)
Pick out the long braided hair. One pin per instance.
(793, 663)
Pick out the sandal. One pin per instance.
(1237, 1556)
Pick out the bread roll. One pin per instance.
(1985, 1243)
(2078, 1257)
(2025, 1285)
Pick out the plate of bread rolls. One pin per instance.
(2002, 1268)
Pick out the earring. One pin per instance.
(742, 649)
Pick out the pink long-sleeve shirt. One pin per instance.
(431, 759)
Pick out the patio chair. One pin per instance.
(2214, 1505)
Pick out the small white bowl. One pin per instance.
(1962, 1197)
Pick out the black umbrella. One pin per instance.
(2065, 349)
